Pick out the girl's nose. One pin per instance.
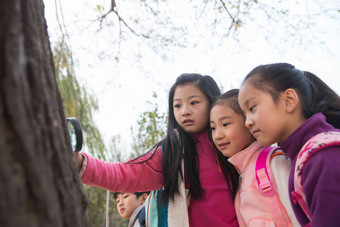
(249, 122)
(186, 111)
(219, 134)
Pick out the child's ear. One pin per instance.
(291, 99)
(143, 197)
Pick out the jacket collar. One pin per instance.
(244, 158)
(312, 126)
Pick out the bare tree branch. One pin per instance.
(225, 7)
(114, 9)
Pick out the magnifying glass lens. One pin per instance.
(76, 134)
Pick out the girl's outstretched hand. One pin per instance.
(79, 159)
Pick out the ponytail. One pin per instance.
(324, 100)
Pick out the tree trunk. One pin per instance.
(39, 182)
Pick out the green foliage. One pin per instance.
(151, 128)
(114, 148)
(77, 101)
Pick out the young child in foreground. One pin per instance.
(300, 112)
(131, 206)
(254, 207)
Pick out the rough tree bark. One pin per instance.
(39, 183)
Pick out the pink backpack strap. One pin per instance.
(262, 173)
(313, 145)
(267, 187)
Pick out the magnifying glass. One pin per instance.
(76, 134)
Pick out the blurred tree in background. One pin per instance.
(133, 28)
(80, 104)
(77, 101)
(151, 128)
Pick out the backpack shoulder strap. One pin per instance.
(313, 145)
(154, 209)
(267, 187)
(156, 212)
(263, 172)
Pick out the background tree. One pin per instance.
(151, 128)
(77, 101)
(163, 28)
(80, 104)
(39, 181)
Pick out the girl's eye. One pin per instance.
(212, 128)
(226, 124)
(193, 102)
(177, 106)
(251, 109)
(117, 201)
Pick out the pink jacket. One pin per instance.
(216, 209)
(251, 206)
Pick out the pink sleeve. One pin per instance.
(126, 177)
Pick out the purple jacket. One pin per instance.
(321, 178)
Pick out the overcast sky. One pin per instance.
(122, 91)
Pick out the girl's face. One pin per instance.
(127, 203)
(228, 130)
(268, 121)
(191, 108)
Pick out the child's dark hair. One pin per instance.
(138, 194)
(315, 96)
(229, 98)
